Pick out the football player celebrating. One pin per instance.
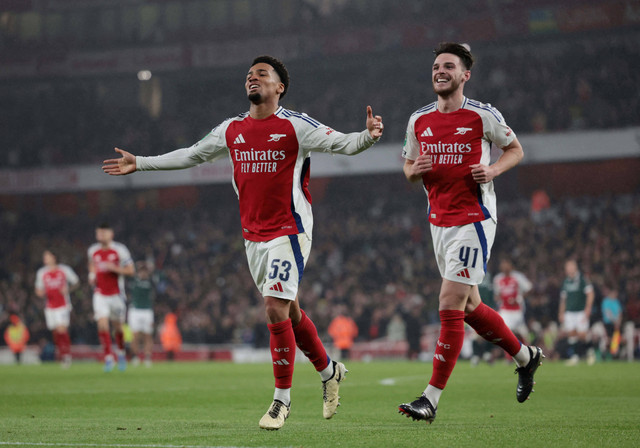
(269, 148)
(447, 148)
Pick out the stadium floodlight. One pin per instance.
(144, 75)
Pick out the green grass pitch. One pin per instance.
(219, 404)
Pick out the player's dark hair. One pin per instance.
(279, 67)
(104, 225)
(459, 50)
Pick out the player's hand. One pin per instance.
(482, 173)
(422, 165)
(110, 266)
(122, 166)
(374, 124)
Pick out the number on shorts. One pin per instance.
(465, 251)
(276, 264)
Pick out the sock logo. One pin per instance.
(281, 362)
(439, 357)
(280, 350)
(445, 346)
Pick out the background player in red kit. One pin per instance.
(447, 147)
(109, 263)
(509, 288)
(270, 151)
(54, 281)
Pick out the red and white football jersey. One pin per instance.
(55, 283)
(455, 141)
(509, 290)
(271, 161)
(109, 283)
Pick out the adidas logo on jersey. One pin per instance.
(239, 139)
(464, 273)
(427, 133)
(277, 287)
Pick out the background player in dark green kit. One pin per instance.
(140, 316)
(576, 302)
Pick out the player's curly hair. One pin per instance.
(459, 50)
(279, 67)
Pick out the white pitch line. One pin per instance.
(111, 445)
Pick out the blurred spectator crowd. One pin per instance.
(551, 84)
(371, 256)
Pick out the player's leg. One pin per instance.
(282, 344)
(492, 327)
(148, 348)
(64, 345)
(147, 332)
(118, 316)
(136, 340)
(453, 296)
(101, 313)
(331, 372)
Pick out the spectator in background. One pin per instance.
(54, 281)
(170, 336)
(576, 302)
(612, 320)
(343, 330)
(16, 336)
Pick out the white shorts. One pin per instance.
(277, 265)
(514, 319)
(140, 320)
(57, 317)
(112, 307)
(575, 321)
(462, 252)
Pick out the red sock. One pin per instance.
(448, 346)
(105, 340)
(65, 343)
(308, 341)
(283, 352)
(490, 325)
(56, 341)
(120, 339)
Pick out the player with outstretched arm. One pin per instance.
(447, 148)
(269, 148)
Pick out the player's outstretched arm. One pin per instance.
(374, 124)
(122, 166)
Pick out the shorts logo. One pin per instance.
(462, 131)
(464, 273)
(276, 137)
(277, 287)
(427, 133)
(239, 139)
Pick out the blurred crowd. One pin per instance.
(371, 259)
(552, 84)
